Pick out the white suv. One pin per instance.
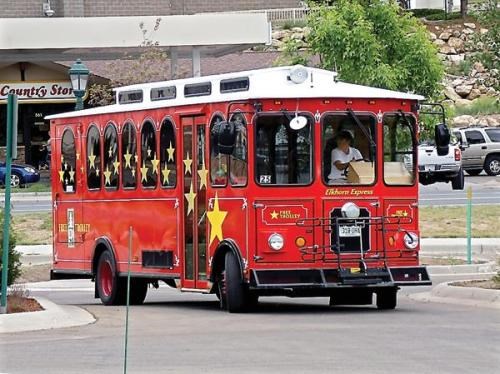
(481, 149)
(434, 168)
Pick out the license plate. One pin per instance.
(430, 167)
(348, 231)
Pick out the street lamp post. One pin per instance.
(79, 75)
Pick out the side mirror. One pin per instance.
(442, 139)
(226, 137)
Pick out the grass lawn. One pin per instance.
(43, 186)
(450, 222)
(33, 228)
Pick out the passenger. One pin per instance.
(341, 156)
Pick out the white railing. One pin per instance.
(279, 15)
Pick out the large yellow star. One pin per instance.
(127, 157)
(203, 172)
(155, 163)
(92, 160)
(107, 174)
(274, 214)
(61, 175)
(216, 218)
(166, 173)
(187, 164)
(144, 172)
(170, 151)
(190, 199)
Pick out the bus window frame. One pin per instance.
(68, 128)
(113, 124)
(93, 124)
(176, 138)
(305, 113)
(132, 124)
(155, 130)
(367, 113)
(223, 118)
(230, 183)
(414, 145)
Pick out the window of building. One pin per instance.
(400, 149)
(129, 156)
(283, 155)
(149, 159)
(168, 164)
(218, 161)
(238, 161)
(348, 148)
(94, 169)
(67, 174)
(111, 163)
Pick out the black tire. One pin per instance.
(458, 182)
(111, 289)
(492, 165)
(138, 291)
(234, 292)
(387, 299)
(474, 172)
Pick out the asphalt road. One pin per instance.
(187, 333)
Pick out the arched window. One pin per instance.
(111, 162)
(218, 161)
(238, 162)
(129, 156)
(149, 158)
(167, 154)
(67, 175)
(93, 159)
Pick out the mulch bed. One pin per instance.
(20, 304)
(487, 284)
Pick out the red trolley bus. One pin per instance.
(231, 184)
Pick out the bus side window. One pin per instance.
(93, 159)
(149, 159)
(218, 161)
(68, 162)
(129, 156)
(168, 173)
(111, 163)
(238, 161)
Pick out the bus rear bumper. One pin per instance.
(327, 279)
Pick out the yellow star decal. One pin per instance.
(170, 151)
(136, 158)
(77, 156)
(166, 173)
(65, 166)
(155, 163)
(187, 164)
(97, 171)
(71, 175)
(61, 175)
(149, 152)
(274, 214)
(110, 152)
(144, 172)
(116, 165)
(203, 172)
(216, 218)
(107, 174)
(133, 173)
(92, 160)
(190, 199)
(127, 157)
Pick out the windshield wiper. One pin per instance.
(373, 146)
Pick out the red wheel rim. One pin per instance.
(106, 278)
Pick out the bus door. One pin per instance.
(194, 201)
(69, 228)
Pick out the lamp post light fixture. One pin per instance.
(79, 75)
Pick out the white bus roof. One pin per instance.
(253, 84)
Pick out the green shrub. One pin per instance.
(424, 12)
(442, 15)
(481, 106)
(462, 68)
(288, 25)
(14, 256)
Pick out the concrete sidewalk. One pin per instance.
(27, 196)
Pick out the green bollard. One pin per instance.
(469, 225)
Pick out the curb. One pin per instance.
(470, 296)
(486, 269)
(53, 316)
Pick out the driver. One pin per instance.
(341, 156)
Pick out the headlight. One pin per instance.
(350, 210)
(30, 170)
(411, 240)
(276, 242)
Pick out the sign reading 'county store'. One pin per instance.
(37, 91)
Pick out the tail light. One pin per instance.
(458, 154)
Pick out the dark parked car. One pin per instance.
(20, 174)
